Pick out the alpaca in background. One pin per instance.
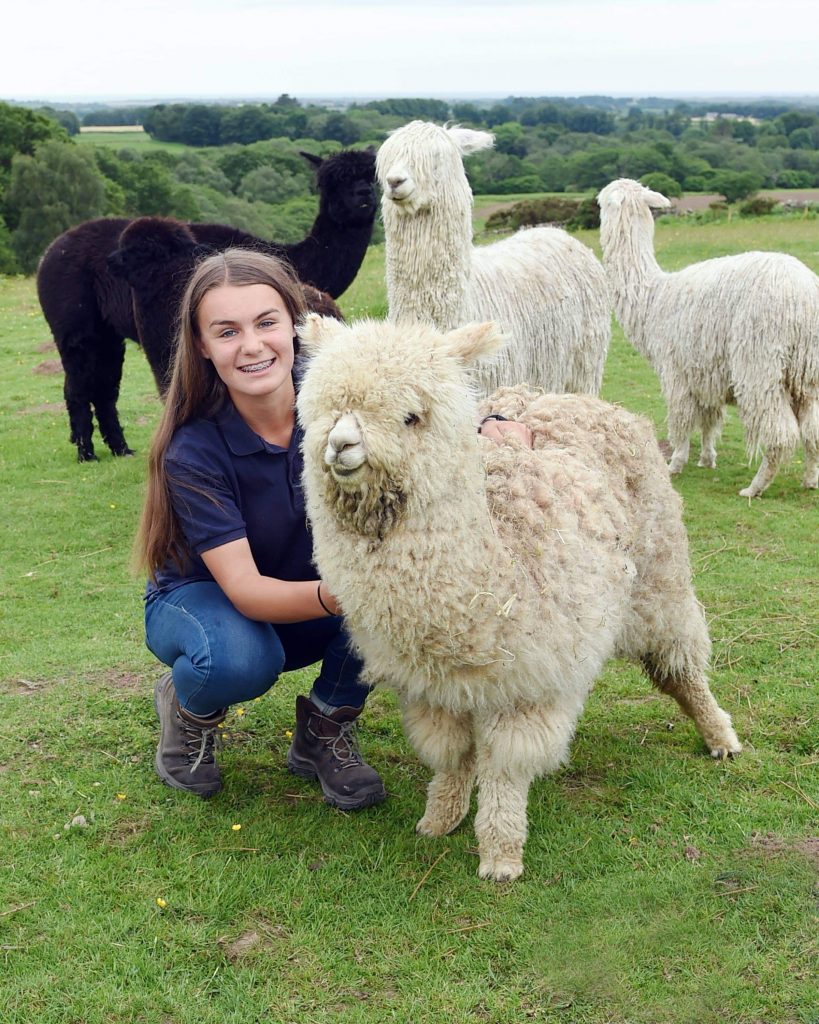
(545, 289)
(89, 308)
(737, 329)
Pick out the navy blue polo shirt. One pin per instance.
(226, 483)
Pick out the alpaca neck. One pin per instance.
(331, 255)
(428, 261)
(633, 272)
(450, 538)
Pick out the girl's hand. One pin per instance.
(496, 430)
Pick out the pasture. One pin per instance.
(660, 887)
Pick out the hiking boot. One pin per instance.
(324, 747)
(184, 757)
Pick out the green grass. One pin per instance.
(660, 887)
(132, 140)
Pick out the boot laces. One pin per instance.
(200, 741)
(343, 745)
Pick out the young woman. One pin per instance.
(233, 599)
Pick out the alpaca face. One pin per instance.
(347, 186)
(416, 164)
(378, 402)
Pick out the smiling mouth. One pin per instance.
(257, 367)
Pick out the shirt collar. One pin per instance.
(240, 438)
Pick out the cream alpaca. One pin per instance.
(741, 329)
(488, 584)
(546, 290)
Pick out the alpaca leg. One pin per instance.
(444, 741)
(811, 475)
(512, 748)
(711, 424)
(78, 404)
(676, 671)
(773, 427)
(772, 459)
(809, 429)
(680, 425)
(106, 392)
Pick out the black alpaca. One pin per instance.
(155, 258)
(89, 306)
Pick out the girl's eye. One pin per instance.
(267, 323)
(411, 419)
(228, 333)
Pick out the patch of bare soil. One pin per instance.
(47, 346)
(48, 366)
(35, 410)
(698, 201)
(771, 845)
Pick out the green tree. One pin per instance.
(735, 185)
(48, 193)
(21, 131)
(8, 260)
(659, 182)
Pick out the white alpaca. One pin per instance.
(741, 329)
(489, 583)
(547, 291)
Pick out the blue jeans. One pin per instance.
(219, 657)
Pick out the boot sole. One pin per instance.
(304, 770)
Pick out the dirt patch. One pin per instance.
(35, 410)
(132, 682)
(772, 845)
(697, 201)
(48, 367)
(47, 346)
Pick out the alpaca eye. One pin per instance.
(411, 419)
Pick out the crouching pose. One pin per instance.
(233, 599)
(489, 584)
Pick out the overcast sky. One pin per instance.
(146, 49)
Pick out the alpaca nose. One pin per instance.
(344, 443)
(396, 181)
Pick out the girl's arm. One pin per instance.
(264, 598)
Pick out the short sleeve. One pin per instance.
(205, 497)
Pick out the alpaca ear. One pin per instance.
(470, 141)
(473, 341)
(314, 330)
(656, 200)
(311, 158)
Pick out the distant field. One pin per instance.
(125, 135)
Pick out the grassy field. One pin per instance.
(660, 887)
(137, 139)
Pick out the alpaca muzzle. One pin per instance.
(345, 452)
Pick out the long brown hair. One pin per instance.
(197, 390)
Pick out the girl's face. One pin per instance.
(247, 333)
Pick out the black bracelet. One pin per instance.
(318, 595)
(492, 416)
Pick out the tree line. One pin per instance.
(241, 162)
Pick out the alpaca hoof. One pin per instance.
(811, 484)
(675, 467)
(500, 869)
(748, 492)
(706, 463)
(435, 827)
(123, 451)
(729, 750)
(87, 456)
